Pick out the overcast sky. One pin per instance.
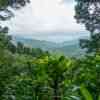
(50, 20)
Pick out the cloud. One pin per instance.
(43, 17)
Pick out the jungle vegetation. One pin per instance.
(32, 74)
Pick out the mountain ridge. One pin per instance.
(69, 48)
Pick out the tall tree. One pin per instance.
(88, 13)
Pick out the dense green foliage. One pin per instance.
(31, 74)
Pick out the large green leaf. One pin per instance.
(99, 97)
(87, 95)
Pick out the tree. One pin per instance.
(52, 73)
(92, 44)
(7, 13)
(20, 48)
(88, 13)
(57, 72)
(87, 72)
(4, 4)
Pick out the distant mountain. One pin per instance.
(69, 48)
(45, 45)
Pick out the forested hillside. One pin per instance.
(68, 48)
(27, 73)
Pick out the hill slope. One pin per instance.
(69, 48)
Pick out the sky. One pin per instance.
(51, 20)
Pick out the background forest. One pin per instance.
(27, 73)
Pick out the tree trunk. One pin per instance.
(56, 91)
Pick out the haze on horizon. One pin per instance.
(51, 20)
